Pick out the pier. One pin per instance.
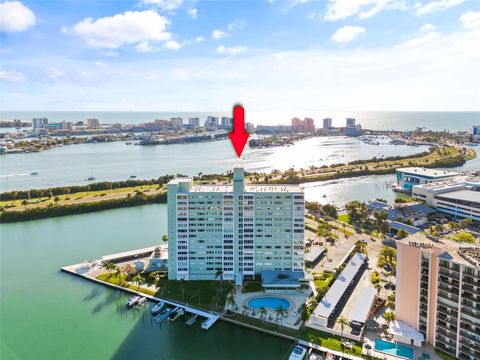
(210, 317)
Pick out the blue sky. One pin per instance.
(270, 55)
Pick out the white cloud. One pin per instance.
(131, 27)
(166, 5)
(218, 34)
(100, 63)
(238, 24)
(315, 15)
(427, 34)
(15, 17)
(12, 76)
(144, 47)
(340, 9)
(193, 13)
(436, 6)
(471, 19)
(172, 45)
(110, 53)
(235, 50)
(293, 3)
(347, 34)
(422, 39)
(427, 28)
(199, 39)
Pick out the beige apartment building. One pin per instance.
(438, 293)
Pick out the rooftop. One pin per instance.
(433, 173)
(446, 185)
(249, 188)
(450, 250)
(336, 291)
(466, 195)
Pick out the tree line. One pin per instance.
(63, 190)
(61, 210)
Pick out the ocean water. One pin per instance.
(378, 120)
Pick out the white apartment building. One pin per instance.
(238, 229)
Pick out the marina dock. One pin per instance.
(210, 317)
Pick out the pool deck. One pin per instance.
(291, 320)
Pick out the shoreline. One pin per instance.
(44, 207)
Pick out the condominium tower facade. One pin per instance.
(238, 229)
(438, 293)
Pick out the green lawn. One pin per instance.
(120, 281)
(327, 340)
(324, 280)
(200, 293)
(344, 218)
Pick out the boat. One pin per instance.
(164, 314)
(157, 308)
(133, 176)
(133, 301)
(176, 314)
(91, 177)
(141, 301)
(298, 352)
(191, 320)
(34, 173)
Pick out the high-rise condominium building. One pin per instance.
(93, 123)
(438, 293)
(39, 123)
(239, 229)
(327, 123)
(194, 121)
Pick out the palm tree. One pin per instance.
(378, 287)
(263, 312)
(138, 279)
(389, 316)
(231, 300)
(165, 238)
(342, 320)
(219, 273)
(25, 203)
(281, 311)
(109, 266)
(118, 272)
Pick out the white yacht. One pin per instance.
(133, 301)
(157, 308)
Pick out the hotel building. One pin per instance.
(239, 229)
(438, 293)
(408, 177)
(459, 196)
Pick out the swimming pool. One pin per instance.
(391, 348)
(269, 302)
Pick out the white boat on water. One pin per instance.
(176, 314)
(298, 352)
(157, 308)
(141, 301)
(133, 301)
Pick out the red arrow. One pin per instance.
(239, 136)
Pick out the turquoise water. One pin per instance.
(45, 314)
(393, 349)
(269, 302)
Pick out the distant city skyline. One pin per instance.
(185, 55)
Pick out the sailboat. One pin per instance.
(91, 177)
